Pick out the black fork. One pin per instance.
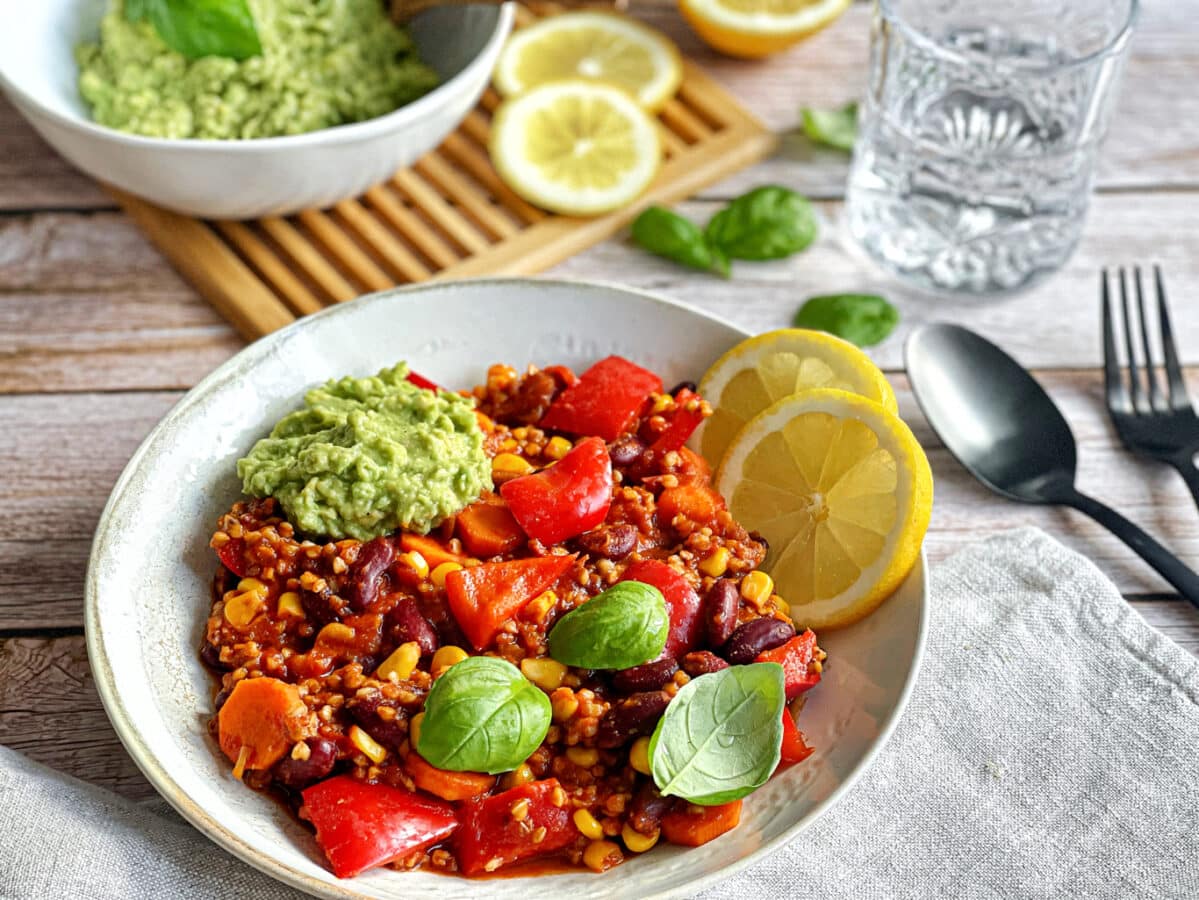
(1150, 409)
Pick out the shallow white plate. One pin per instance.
(148, 584)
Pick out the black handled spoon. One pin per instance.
(999, 423)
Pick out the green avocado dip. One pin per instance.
(323, 63)
(367, 456)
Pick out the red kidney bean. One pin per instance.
(364, 710)
(609, 541)
(645, 677)
(629, 717)
(683, 385)
(366, 577)
(626, 451)
(212, 657)
(702, 662)
(755, 636)
(219, 700)
(720, 612)
(299, 773)
(407, 623)
(648, 808)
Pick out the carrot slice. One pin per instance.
(266, 716)
(692, 826)
(434, 553)
(447, 785)
(487, 528)
(694, 500)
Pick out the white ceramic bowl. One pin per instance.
(148, 584)
(243, 179)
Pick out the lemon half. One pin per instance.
(841, 490)
(764, 369)
(594, 45)
(756, 28)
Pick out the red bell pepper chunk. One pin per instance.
(682, 604)
(794, 657)
(490, 832)
(483, 598)
(604, 401)
(233, 556)
(682, 423)
(565, 499)
(795, 748)
(361, 825)
(422, 382)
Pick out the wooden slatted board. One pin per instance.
(449, 216)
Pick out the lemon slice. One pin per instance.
(593, 45)
(764, 369)
(756, 28)
(841, 490)
(575, 147)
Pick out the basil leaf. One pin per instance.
(832, 127)
(199, 28)
(863, 319)
(767, 223)
(624, 626)
(668, 234)
(721, 736)
(483, 715)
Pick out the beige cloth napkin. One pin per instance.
(1051, 749)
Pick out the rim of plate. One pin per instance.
(211, 827)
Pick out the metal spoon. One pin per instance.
(1002, 426)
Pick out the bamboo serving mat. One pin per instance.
(449, 216)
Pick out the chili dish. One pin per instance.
(579, 662)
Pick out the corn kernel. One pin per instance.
(445, 657)
(290, 605)
(636, 841)
(522, 774)
(639, 755)
(374, 751)
(662, 402)
(716, 563)
(416, 563)
(557, 447)
(520, 809)
(252, 584)
(584, 757)
(335, 632)
(242, 606)
(588, 824)
(438, 575)
(400, 663)
(539, 607)
(414, 729)
(564, 704)
(602, 855)
(511, 464)
(756, 587)
(547, 674)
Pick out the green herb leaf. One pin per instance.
(483, 715)
(863, 319)
(199, 28)
(767, 223)
(721, 736)
(833, 127)
(624, 626)
(668, 234)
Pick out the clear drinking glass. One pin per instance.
(979, 134)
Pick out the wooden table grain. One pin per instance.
(99, 337)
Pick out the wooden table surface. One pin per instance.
(99, 337)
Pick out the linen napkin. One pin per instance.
(1051, 749)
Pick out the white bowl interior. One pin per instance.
(148, 586)
(37, 46)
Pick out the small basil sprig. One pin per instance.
(624, 626)
(767, 223)
(721, 737)
(199, 28)
(832, 127)
(668, 234)
(863, 319)
(483, 715)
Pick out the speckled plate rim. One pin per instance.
(212, 828)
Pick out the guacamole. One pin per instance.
(366, 456)
(323, 63)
